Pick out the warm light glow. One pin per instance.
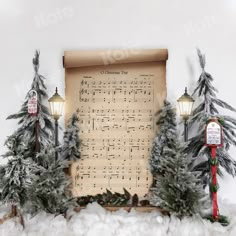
(56, 108)
(185, 104)
(56, 103)
(185, 108)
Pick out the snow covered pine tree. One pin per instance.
(17, 175)
(24, 143)
(176, 189)
(207, 108)
(51, 192)
(70, 148)
(36, 131)
(165, 137)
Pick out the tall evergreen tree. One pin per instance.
(34, 139)
(70, 148)
(165, 137)
(208, 107)
(36, 131)
(178, 190)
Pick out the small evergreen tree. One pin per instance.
(17, 175)
(178, 190)
(35, 131)
(207, 108)
(70, 148)
(51, 190)
(165, 137)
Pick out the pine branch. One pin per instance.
(223, 104)
(202, 59)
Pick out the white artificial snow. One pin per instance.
(96, 221)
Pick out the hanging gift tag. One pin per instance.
(213, 133)
(33, 102)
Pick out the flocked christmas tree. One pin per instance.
(33, 140)
(35, 130)
(176, 188)
(17, 176)
(70, 148)
(208, 107)
(165, 138)
(51, 190)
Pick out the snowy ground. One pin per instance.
(95, 221)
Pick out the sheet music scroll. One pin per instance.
(117, 94)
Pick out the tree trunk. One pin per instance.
(37, 144)
(14, 210)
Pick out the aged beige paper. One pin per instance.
(117, 98)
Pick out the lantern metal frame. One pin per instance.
(56, 103)
(185, 103)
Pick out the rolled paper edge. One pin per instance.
(82, 58)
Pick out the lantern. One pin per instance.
(56, 103)
(185, 105)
